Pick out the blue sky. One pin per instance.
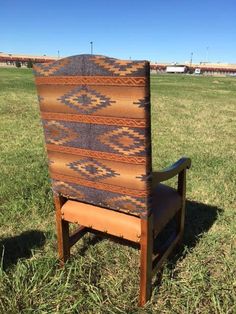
(158, 30)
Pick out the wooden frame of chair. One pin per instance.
(149, 263)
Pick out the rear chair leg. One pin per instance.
(146, 249)
(62, 231)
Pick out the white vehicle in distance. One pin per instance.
(197, 71)
(176, 69)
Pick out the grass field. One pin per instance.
(193, 116)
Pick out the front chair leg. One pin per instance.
(146, 249)
(62, 231)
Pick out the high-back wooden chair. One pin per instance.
(96, 119)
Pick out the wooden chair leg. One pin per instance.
(182, 192)
(62, 231)
(146, 249)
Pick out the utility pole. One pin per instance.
(91, 44)
(58, 54)
(191, 59)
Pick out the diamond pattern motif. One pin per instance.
(57, 133)
(142, 103)
(124, 140)
(92, 169)
(85, 100)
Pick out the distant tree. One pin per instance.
(18, 64)
(29, 64)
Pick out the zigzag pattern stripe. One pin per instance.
(98, 154)
(48, 69)
(136, 123)
(92, 80)
(99, 185)
(118, 67)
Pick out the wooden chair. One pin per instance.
(96, 117)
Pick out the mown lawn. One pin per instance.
(193, 116)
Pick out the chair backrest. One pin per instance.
(96, 118)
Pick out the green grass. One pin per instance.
(193, 116)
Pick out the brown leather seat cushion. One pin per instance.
(102, 219)
(166, 202)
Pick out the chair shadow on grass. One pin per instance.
(199, 219)
(20, 246)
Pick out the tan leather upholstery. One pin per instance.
(166, 202)
(102, 219)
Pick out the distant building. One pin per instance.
(203, 68)
(8, 59)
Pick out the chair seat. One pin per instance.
(102, 219)
(166, 202)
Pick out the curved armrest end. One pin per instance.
(172, 171)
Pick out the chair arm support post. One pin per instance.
(170, 172)
(182, 192)
(182, 183)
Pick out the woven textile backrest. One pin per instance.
(96, 119)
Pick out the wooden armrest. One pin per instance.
(170, 172)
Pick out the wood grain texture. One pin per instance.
(62, 230)
(146, 249)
